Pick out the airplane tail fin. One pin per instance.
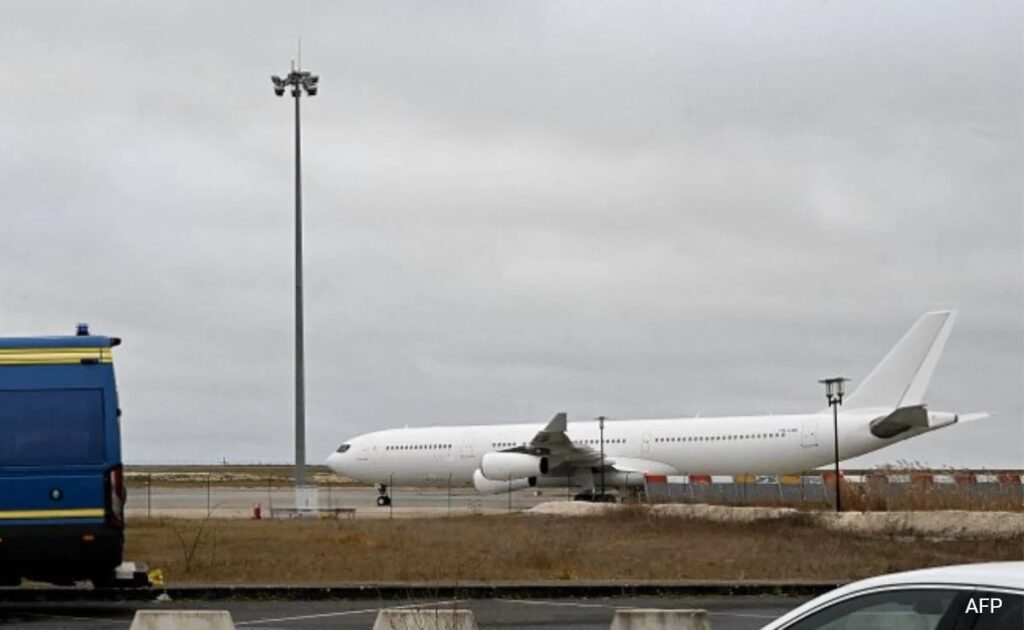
(902, 377)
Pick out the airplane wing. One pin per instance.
(553, 436)
(554, 442)
(579, 462)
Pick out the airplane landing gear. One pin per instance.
(384, 499)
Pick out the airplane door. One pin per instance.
(809, 432)
(466, 447)
(363, 451)
(645, 442)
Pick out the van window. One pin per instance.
(51, 427)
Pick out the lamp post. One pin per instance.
(300, 81)
(600, 424)
(834, 390)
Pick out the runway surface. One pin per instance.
(727, 613)
(238, 502)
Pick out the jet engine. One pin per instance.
(484, 485)
(505, 466)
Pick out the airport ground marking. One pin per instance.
(342, 613)
(571, 604)
(52, 616)
(750, 615)
(579, 605)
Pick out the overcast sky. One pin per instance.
(635, 209)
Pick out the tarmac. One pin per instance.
(727, 613)
(200, 502)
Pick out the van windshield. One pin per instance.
(51, 427)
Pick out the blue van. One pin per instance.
(62, 492)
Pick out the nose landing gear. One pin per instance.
(384, 499)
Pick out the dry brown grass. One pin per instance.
(906, 497)
(629, 545)
(920, 498)
(228, 476)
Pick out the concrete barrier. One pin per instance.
(182, 620)
(654, 619)
(424, 619)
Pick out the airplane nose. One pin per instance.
(334, 462)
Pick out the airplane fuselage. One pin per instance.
(775, 444)
(887, 407)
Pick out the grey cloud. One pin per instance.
(633, 210)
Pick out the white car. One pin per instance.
(987, 596)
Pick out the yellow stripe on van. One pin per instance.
(72, 513)
(53, 356)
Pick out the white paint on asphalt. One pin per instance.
(342, 613)
(569, 604)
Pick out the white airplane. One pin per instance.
(886, 408)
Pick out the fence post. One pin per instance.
(391, 507)
(209, 477)
(449, 494)
(149, 495)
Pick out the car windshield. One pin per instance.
(918, 609)
(51, 427)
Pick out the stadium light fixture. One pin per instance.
(300, 81)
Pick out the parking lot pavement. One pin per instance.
(727, 613)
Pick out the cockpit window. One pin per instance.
(344, 447)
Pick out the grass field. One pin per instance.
(629, 545)
(228, 476)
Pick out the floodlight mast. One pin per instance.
(300, 81)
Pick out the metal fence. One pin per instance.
(868, 491)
